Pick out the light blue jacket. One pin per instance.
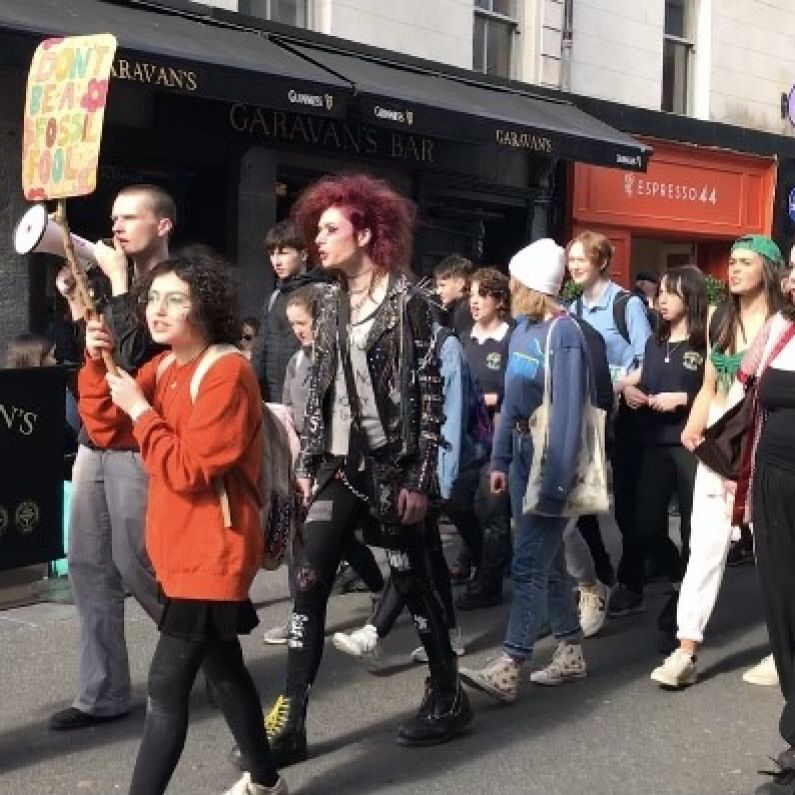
(458, 450)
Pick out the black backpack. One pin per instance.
(620, 313)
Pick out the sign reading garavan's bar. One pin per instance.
(64, 111)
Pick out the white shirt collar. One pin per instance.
(498, 334)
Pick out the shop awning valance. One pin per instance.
(188, 54)
(437, 104)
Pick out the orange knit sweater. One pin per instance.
(184, 446)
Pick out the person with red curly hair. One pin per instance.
(369, 445)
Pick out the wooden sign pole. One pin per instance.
(79, 274)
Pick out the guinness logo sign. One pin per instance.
(391, 114)
(312, 100)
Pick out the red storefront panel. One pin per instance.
(688, 193)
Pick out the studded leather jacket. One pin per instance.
(404, 371)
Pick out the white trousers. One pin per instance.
(710, 537)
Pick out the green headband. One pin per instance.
(761, 245)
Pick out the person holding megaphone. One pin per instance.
(106, 534)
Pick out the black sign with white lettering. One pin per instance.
(32, 434)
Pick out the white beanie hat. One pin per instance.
(539, 266)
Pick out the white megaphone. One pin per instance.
(38, 233)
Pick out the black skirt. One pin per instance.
(203, 619)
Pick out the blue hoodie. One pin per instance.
(524, 387)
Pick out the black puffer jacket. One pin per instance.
(276, 342)
(405, 375)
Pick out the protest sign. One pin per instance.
(64, 111)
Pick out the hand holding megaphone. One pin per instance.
(37, 231)
(113, 262)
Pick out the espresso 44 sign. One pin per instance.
(656, 189)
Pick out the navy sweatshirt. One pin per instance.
(524, 387)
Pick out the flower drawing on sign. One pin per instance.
(48, 43)
(95, 96)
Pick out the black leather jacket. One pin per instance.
(405, 375)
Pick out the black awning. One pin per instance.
(185, 54)
(434, 104)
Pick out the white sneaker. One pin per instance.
(763, 673)
(419, 655)
(499, 678)
(593, 608)
(678, 670)
(363, 644)
(246, 787)
(277, 636)
(567, 665)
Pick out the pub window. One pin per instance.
(288, 12)
(677, 56)
(495, 29)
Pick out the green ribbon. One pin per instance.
(726, 366)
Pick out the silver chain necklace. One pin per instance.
(669, 350)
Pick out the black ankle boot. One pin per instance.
(442, 715)
(286, 731)
(285, 725)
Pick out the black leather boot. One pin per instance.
(285, 725)
(442, 715)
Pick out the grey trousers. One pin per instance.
(579, 562)
(107, 555)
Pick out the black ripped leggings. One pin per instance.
(392, 602)
(332, 518)
(171, 675)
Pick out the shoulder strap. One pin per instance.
(547, 398)
(620, 313)
(211, 356)
(357, 439)
(343, 320)
(786, 335)
(578, 306)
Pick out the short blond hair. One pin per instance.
(526, 301)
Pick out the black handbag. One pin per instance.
(728, 443)
(723, 447)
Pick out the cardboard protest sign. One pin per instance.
(64, 111)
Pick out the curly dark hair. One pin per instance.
(496, 284)
(212, 291)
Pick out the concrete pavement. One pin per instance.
(614, 733)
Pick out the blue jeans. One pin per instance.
(538, 572)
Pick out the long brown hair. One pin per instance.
(730, 321)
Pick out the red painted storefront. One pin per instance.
(689, 193)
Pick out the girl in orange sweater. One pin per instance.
(204, 562)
